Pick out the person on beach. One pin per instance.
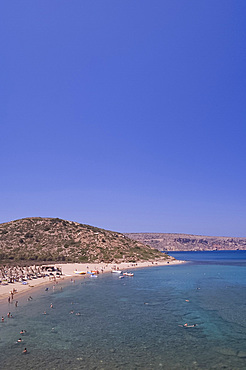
(8, 299)
(16, 303)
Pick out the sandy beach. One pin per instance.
(71, 270)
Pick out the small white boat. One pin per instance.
(116, 271)
(80, 272)
(128, 274)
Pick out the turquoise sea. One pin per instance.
(135, 322)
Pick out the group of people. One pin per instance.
(10, 316)
(11, 297)
(20, 341)
(11, 300)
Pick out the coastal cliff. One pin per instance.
(39, 239)
(188, 242)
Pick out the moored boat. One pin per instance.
(128, 274)
(80, 272)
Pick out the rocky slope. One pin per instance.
(185, 242)
(53, 239)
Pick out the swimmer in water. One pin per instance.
(23, 331)
(19, 340)
(24, 351)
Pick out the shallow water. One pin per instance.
(133, 323)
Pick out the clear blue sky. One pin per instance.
(127, 115)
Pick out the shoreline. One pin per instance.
(68, 271)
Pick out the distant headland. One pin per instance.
(188, 242)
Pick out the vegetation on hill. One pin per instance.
(52, 239)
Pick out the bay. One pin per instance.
(135, 322)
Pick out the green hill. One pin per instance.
(52, 239)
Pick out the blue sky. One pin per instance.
(126, 115)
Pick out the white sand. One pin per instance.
(68, 270)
